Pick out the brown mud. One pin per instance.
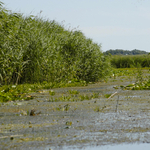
(122, 118)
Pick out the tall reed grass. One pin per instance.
(33, 50)
(130, 61)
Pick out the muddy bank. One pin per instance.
(68, 120)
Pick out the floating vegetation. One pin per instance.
(73, 98)
(73, 92)
(107, 95)
(15, 92)
(138, 86)
(21, 91)
(52, 93)
(97, 109)
(69, 123)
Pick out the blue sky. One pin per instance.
(115, 24)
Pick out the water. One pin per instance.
(144, 146)
(93, 122)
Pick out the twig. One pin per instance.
(117, 104)
(112, 95)
(10, 136)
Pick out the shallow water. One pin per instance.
(114, 147)
(87, 124)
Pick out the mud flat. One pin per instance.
(59, 122)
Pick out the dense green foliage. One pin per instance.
(36, 50)
(126, 61)
(125, 52)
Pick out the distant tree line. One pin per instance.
(124, 52)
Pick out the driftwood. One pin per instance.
(112, 95)
(117, 100)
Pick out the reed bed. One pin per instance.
(130, 61)
(35, 50)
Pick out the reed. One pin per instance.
(130, 61)
(34, 50)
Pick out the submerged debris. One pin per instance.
(34, 112)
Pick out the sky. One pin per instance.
(115, 24)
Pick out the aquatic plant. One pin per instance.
(130, 61)
(73, 92)
(107, 95)
(52, 93)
